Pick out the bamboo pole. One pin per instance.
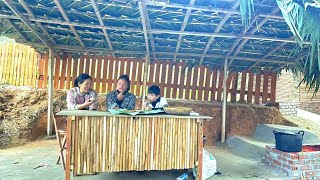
(50, 94)
(224, 102)
(145, 75)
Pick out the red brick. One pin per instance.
(294, 156)
(292, 162)
(277, 162)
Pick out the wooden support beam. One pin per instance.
(26, 22)
(224, 102)
(155, 31)
(222, 22)
(66, 18)
(254, 30)
(50, 92)
(70, 48)
(144, 11)
(183, 26)
(30, 13)
(105, 33)
(145, 33)
(203, 8)
(16, 28)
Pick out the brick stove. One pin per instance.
(294, 165)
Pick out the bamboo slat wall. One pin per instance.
(177, 81)
(114, 144)
(18, 64)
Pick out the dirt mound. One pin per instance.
(22, 111)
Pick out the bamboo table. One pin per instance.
(102, 142)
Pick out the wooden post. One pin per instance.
(145, 75)
(224, 102)
(50, 93)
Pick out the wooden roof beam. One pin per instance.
(63, 13)
(105, 50)
(254, 30)
(183, 26)
(16, 28)
(222, 22)
(105, 33)
(145, 19)
(155, 31)
(203, 8)
(30, 13)
(27, 23)
(144, 26)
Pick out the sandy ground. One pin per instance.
(18, 164)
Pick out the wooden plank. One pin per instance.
(98, 76)
(195, 83)
(93, 70)
(163, 77)
(122, 63)
(110, 72)
(214, 85)
(69, 63)
(41, 73)
(128, 65)
(175, 80)
(265, 86)
(139, 78)
(56, 73)
(133, 76)
(188, 83)
(273, 86)
(234, 87)
(63, 72)
(201, 82)
(151, 75)
(207, 84)
(243, 85)
(257, 89)
(81, 65)
(250, 87)
(169, 84)
(116, 72)
(219, 94)
(200, 149)
(75, 70)
(87, 61)
(228, 83)
(104, 74)
(68, 149)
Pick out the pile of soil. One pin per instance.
(23, 113)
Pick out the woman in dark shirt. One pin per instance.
(121, 98)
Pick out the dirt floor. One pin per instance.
(19, 163)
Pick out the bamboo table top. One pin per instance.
(104, 113)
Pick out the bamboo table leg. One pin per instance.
(68, 148)
(200, 149)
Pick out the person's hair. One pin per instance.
(154, 90)
(126, 78)
(81, 78)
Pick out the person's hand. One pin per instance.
(120, 96)
(88, 103)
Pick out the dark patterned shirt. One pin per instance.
(128, 102)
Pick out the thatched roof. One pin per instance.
(199, 31)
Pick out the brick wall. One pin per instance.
(293, 165)
(287, 93)
(288, 108)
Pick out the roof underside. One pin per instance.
(199, 31)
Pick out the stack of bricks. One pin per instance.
(288, 108)
(294, 165)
